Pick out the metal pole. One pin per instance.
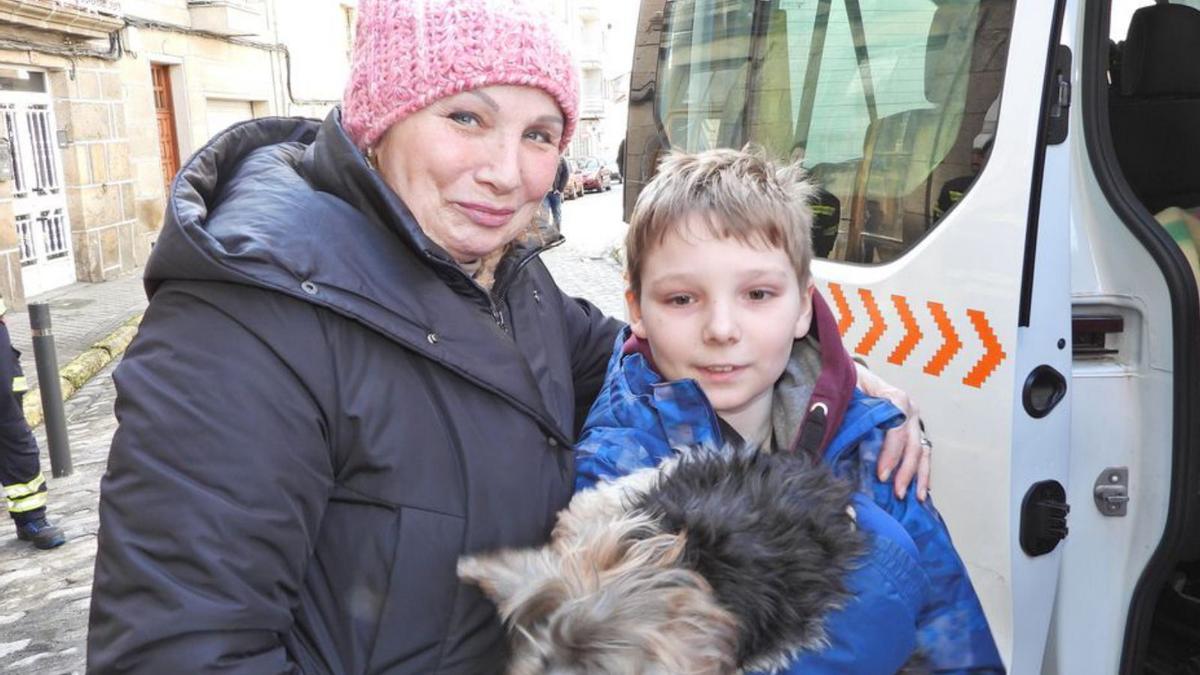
(52, 405)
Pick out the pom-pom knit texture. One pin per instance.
(410, 53)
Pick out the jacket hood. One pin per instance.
(290, 205)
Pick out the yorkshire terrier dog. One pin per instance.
(706, 565)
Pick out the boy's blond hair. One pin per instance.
(739, 194)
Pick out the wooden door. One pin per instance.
(165, 112)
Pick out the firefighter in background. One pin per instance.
(20, 472)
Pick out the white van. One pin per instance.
(1009, 231)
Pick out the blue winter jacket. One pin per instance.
(911, 594)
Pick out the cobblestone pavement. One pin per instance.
(586, 264)
(45, 595)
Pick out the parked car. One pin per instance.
(595, 175)
(574, 186)
(614, 170)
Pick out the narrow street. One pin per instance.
(585, 265)
(45, 595)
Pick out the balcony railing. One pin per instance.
(99, 6)
(228, 17)
(90, 19)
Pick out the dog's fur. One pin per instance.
(706, 565)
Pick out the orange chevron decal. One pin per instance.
(878, 327)
(845, 318)
(912, 332)
(993, 355)
(951, 343)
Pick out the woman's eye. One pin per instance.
(679, 300)
(759, 294)
(465, 118)
(539, 136)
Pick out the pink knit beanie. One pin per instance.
(410, 53)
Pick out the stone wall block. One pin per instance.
(62, 112)
(72, 175)
(98, 206)
(83, 158)
(125, 232)
(150, 214)
(110, 249)
(99, 163)
(147, 173)
(8, 227)
(127, 202)
(142, 243)
(62, 86)
(118, 163)
(88, 121)
(108, 204)
(12, 285)
(74, 196)
(88, 85)
(87, 264)
(118, 120)
(110, 86)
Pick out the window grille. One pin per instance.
(25, 239)
(54, 233)
(20, 189)
(40, 130)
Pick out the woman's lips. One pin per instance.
(484, 215)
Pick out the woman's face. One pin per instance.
(474, 167)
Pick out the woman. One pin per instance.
(353, 369)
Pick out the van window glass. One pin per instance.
(890, 104)
(1153, 105)
(1121, 11)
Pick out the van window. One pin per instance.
(890, 104)
(1121, 11)
(1153, 105)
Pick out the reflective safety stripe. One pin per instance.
(29, 503)
(25, 489)
(20, 384)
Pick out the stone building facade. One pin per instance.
(103, 100)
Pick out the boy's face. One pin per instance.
(720, 312)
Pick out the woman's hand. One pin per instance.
(904, 446)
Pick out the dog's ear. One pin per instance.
(525, 585)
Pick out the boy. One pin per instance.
(729, 346)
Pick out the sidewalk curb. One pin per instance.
(82, 368)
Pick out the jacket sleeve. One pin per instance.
(591, 336)
(216, 484)
(954, 635)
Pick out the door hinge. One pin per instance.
(1111, 491)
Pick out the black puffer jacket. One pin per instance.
(320, 414)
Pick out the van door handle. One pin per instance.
(1043, 390)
